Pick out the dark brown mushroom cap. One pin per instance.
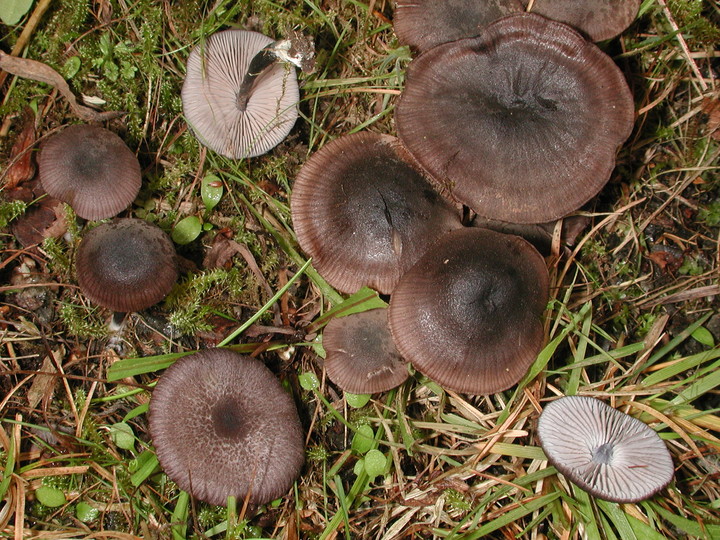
(608, 453)
(521, 123)
(364, 213)
(222, 426)
(598, 19)
(361, 356)
(215, 71)
(91, 169)
(126, 265)
(423, 24)
(468, 314)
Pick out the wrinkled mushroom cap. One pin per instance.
(423, 24)
(215, 71)
(468, 314)
(222, 425)
(598, 19)
(364, 213)
(126, 265)
(91, 169)
(361, 356)
(608, 453)
(522, 123)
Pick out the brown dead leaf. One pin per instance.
(711, 107)
(43, 384)
(21, 166)
(43, 220)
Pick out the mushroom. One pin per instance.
(126, 265)
(423, 24)
(222, 425)
(598, 19)
(521, 123)
(240, 93)
(361, 356)
(364, 213)
(91, 169)
(469, 313)
(609, 454)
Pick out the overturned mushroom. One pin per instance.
(240, 94)
(222, 425)
(91, 169)
(364, 213)
(609, 454)
(469, 313)
(522, 123)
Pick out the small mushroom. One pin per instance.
(361, 356)
(469, 313)
(126, 265)
(522, 123)
(222, 425)
(598, 19)
(423, 24)
(240, 94)
(91, 169)
(609, 454)
(364, 213)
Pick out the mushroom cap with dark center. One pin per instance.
(608, 453)
(215, 72)
(423, 24)
(522, 123)
(361, 356)
(222, 425)
(91, 169)
(468, 314)
(598, 19)
(364, 213)
(126, 265)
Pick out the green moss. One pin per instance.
(82, 322)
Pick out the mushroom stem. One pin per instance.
(288, 51)
(117, 321)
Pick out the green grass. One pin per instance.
(624, 324)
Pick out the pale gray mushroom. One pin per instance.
(240, 94)
(609, 454)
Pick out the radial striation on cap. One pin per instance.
(364, 213)
(597, 19)
(214, 78)
(469, 313)
(126, 265)
(361, 356)
(522, 123)
(423, 24)
(91, 169)
(222, 425)
(608, 453)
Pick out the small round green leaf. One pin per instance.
(187, 230)
(50, 496)
(86, 513)
(309, 381)
(363, 440)
(211, 191)
(123, 436)
(357, 400)
(71, 67)
(11, 11)
(375, 462)
(703, 336)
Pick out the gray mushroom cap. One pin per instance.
(608, 453)
(361, 356)
(365, 213)
(521, 123)
(126, 265)
(222, 425)
(215, 72)
(91, 169)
